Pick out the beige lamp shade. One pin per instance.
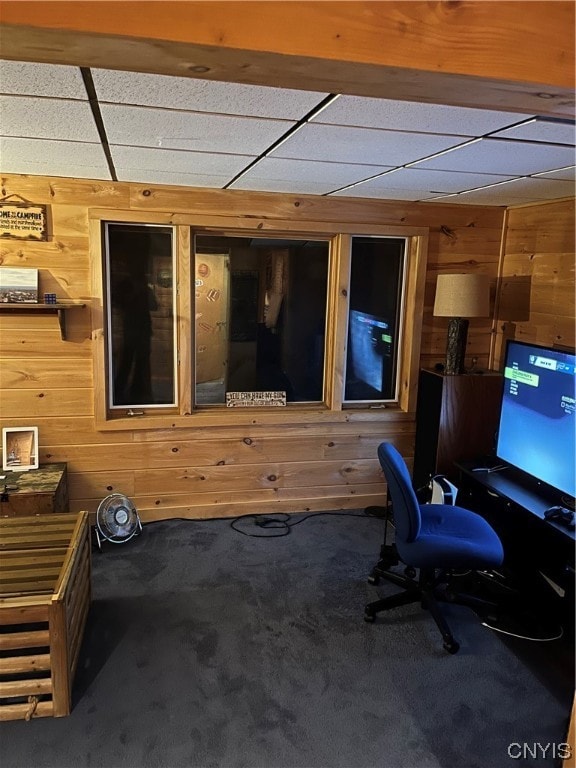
(465, 295)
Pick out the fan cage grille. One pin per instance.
(117, 519)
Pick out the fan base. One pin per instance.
(100, 538)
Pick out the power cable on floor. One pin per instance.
(283, 523)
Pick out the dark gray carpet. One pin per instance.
(205, 648)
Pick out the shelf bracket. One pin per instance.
(62, 323)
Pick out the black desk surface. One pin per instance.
(505, 484)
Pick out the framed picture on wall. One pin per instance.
(19, 449)
(18, 285)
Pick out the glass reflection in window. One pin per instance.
(376, 279)
(140, 295)
(260, 309)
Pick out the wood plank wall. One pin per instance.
(226, 470)
(536, 293)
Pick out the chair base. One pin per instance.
(415, 591)
(389, 558)
(499, 603)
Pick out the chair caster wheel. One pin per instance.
(452, 647)
(373, 579)
(369, 617)
(410, 572)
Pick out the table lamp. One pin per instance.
(460, 297)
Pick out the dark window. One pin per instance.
(260, 309)
(376, 279)
(140, 294)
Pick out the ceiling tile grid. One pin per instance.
(59, 120)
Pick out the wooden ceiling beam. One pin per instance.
(500, 54)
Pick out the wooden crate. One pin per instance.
(36, 492)
(45, 594)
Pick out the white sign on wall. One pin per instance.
(255, 399)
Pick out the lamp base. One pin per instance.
(456, 346)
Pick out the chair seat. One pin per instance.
(452, 537)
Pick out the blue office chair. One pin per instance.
(436, 540)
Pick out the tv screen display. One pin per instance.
(537, 419)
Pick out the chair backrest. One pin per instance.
(405, 504)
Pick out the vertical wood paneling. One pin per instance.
(536, 286)
(248, 464)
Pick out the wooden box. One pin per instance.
(35, 492)
(45, 595)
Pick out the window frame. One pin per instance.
(381, 402)
(165, 407)
(333, 407)
(330, 242)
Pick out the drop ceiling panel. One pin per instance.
(413, 116)
(361, 145)
(202, 95)
(432, 181)
(294, 187)
(564, 174)
(148, 127)
(190, 132)
(514, 192)
(515, 158)
(387, 193)
(53, 158)
(47, 118)
(213, 181)
(500, 200)
(543, 189)
(178, 161)
(304, 176)
(542, 130)
(31, 79)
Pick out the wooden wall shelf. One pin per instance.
(60, 309)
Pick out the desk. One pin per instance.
(506, 485)
(34, 492)
(44, 601)
(532, 544)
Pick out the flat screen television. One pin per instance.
(536, 433)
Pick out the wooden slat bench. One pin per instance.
(45, 594)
